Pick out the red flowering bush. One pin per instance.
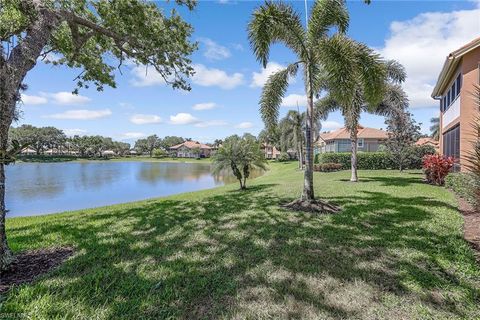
(437, 167)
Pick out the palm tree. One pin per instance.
(435, 128)
(292, 127)
(316, 50)
(393, 100)
(240, 155)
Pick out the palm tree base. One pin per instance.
(312, 206)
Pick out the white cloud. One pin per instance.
(328, 125)
(183, 118)
(33, 100)
(133, 135)
(292, 100)
(67, 98)
(145, 76)
(81, 114)
(260, 78)
(211, 123)
(204, 106)
(145, 119)
(421, 45)
(215, 77)
(74, 132)
(214, 51)
(244, 125)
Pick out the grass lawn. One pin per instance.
(395, 252)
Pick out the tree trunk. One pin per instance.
(5, 253)
(13, 70)
(308, 193)
(300, 158)
(354, 141)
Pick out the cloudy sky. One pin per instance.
(228, 79)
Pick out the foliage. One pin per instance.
(436, 168)
(464, 185)
(473, 157)
(435, 128)
(240, 155)
(170, 141)
(415, 155)
(366, 160)
(283, 157)
(160, 153)
(38, 139)
(148, 144)
(327, 167)
(403, 132)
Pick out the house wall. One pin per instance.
(464, 110)
(344, 145)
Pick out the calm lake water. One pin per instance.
(41, 188)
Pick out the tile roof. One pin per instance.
(363, 133)
(424, 141)
(191, 145)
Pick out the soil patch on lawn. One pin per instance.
(471, 226)
(29, 265)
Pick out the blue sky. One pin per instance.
(227, 85)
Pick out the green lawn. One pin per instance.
(395, 252)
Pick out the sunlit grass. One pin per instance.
(395, 252)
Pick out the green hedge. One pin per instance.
(365, 160)
(463, 184)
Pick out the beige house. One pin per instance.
(191, 149)
(270, 152)
(428, 142)
(454, 89)
(369, 140)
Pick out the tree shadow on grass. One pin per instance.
(237, 255)
(395, 181)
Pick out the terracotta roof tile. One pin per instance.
(363, 133)
(191, 145)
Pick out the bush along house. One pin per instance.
(454, 90)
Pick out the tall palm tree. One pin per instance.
(292, 127)
(316, 49)
(435, 127)
(393, 100)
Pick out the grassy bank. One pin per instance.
(396, 251)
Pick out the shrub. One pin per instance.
(159, 153)
(365, 160)
(417, 153)
(463, 184)
(327, 167)
(283, 157)
(436, 168)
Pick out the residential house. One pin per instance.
(191, 149)
(369, 140)
(428, 142)
(270, 151)
(454, 89)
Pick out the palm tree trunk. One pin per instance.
(354, 141)
(308, 193)
(300, 157)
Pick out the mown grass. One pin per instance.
(395, 252)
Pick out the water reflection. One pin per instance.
(39, 188)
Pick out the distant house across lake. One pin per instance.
(369, 140)
(270, 151)
(191, 149)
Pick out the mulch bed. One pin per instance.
(313, 206)
(471, 226)
(29, 265)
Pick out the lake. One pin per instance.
(41, 188)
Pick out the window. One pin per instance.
(452, 93)
(360, 143)
(451, 142)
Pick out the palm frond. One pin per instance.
(326, 15)
(323, 106)
(395, 71)
(272, 23)
(372, 72)
(395, 100)
(338, 55)
(273, 92)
